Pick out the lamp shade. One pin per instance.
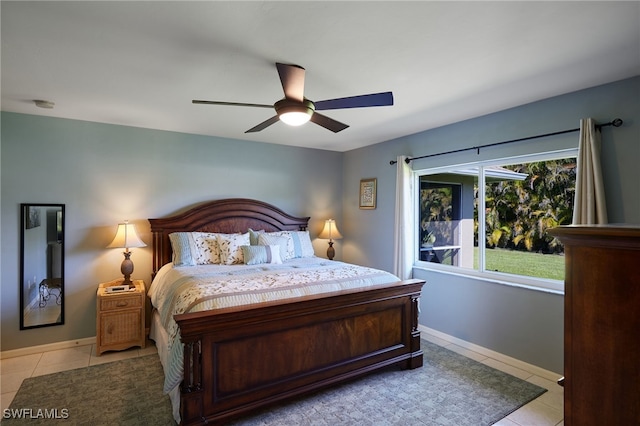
(126, 237)
(330, 231)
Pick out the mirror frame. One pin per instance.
(24, 220)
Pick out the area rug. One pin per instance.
(449, 389)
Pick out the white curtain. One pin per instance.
(590, 207)
(404, 223)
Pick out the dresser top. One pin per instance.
(614, 235)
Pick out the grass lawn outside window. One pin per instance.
(546, 266)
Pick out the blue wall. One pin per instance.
(106, 174)
(522, 323)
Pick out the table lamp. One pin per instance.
(126, 238)
(331, 233)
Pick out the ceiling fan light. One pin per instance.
(294, 113)
(295, 118)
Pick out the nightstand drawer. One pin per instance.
(109, 303)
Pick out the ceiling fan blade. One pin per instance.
(362, 101)
(264, 124)
(292, 79)
(328, 123)
(195, 101)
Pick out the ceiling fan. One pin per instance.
(294, 109)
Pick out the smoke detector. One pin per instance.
(43, 104)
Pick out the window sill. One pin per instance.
(536, 284)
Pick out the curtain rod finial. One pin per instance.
(617, 122)
(406, 160)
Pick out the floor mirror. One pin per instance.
(41, 265)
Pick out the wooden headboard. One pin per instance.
(227, 216)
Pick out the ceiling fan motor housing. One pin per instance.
(285, 105)
(293, 112)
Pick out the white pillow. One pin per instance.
(208, 252)
(230, 246)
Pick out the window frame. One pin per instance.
(529, 282)
(456, 189)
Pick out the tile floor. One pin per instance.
(546, 410)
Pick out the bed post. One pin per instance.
(157, 249)
(416, 359)
(191, 409)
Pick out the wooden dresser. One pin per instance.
(601, 324)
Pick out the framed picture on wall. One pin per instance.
(33, 217)
(368, 193)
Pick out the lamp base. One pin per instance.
(331, 252)
(127, 269)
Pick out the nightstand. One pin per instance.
(120, 317)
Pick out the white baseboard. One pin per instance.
(533, 369)
(48, 347)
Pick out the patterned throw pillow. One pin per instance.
(230, 246)
(255, 255)
(208, 252)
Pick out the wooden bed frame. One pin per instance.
(243, 358)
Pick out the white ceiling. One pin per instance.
(141, 63)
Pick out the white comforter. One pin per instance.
(177, 290)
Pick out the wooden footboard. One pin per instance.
(239, 359)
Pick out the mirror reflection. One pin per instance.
(42, 265)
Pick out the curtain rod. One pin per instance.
(615, 123)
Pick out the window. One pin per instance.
(493, 217)
(440, 214)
